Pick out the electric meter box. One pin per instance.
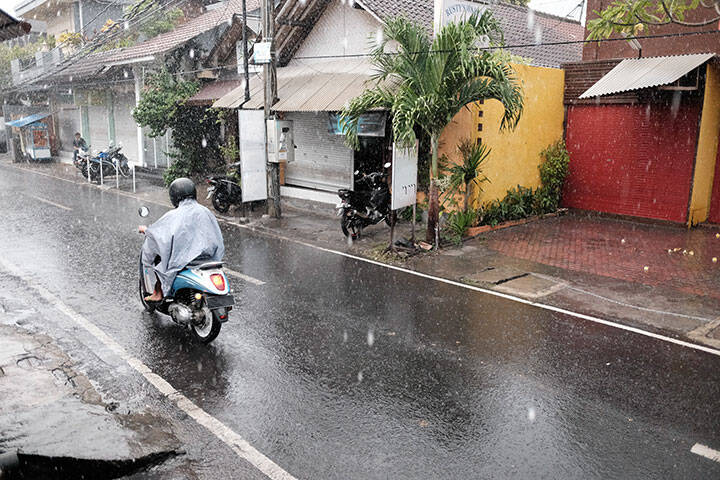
(281, 147)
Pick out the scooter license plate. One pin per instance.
(219, 301)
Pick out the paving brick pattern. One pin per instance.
(619, 249)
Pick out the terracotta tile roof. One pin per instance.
(518, 28)
(184, 32)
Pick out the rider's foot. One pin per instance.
(155, 297)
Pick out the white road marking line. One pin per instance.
(40, 199)
(506, 296)
(238, 444)
(706, 452)
(494, 293)
(247, 278)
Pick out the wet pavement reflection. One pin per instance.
(336, 368)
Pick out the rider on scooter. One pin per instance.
(188, 233)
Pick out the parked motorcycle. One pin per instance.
(224, 190)
(200, 298)
(107, 160)
(368, 205)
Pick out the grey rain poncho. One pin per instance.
(180, 236)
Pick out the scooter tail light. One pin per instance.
(218, 280)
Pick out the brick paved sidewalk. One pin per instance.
(623, 250)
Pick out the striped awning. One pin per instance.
(637, 73)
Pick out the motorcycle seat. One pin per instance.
(203, 265)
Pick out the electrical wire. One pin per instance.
(368, 55)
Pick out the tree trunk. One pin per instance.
(433, 196)
(467, 197)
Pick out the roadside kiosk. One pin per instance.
(34, 136)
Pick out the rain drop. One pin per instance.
(530, 18)
(204, 142)
(199, 366)
(345, 336)
(192, 53)
(360, 376)
(371, 337)
(531, 414)
(125, 74)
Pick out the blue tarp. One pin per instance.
(27, 120)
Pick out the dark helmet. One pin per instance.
(180, 189)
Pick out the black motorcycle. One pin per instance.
(111, 161)
(224, 190)
(369, 204)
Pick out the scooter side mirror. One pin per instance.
(387, 165)
(356, 172)
(143, 211)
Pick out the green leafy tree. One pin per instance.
(162, 98)
(428, 81)
(195, 130)
(631, 17)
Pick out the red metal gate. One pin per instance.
(715, 202)
(631, 159)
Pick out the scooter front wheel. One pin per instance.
(209, 329)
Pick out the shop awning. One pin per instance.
(307, 87)
(213, 91)
(21, 122)
(637, 73)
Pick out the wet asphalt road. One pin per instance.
(340, 369)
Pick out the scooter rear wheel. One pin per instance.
(221, 202)
(349, 227)
(209, 330)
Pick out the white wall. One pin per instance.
(68, 118)
(125, 126)
(322, 160)
(341, 30)
(98, 119)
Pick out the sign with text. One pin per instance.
(253, 174)
(404, 176)
(456, 10)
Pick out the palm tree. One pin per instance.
(426, 82)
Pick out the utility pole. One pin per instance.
(270, 75)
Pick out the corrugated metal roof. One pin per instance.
(22, 122)
(213, 91)
(637, 73)
(307, 87)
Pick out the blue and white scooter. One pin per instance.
(200, 298)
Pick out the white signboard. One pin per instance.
(404, 177)
(451, 11)
(253, 174)
(263, 53)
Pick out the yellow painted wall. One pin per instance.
(707, 148)
(515, 153)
